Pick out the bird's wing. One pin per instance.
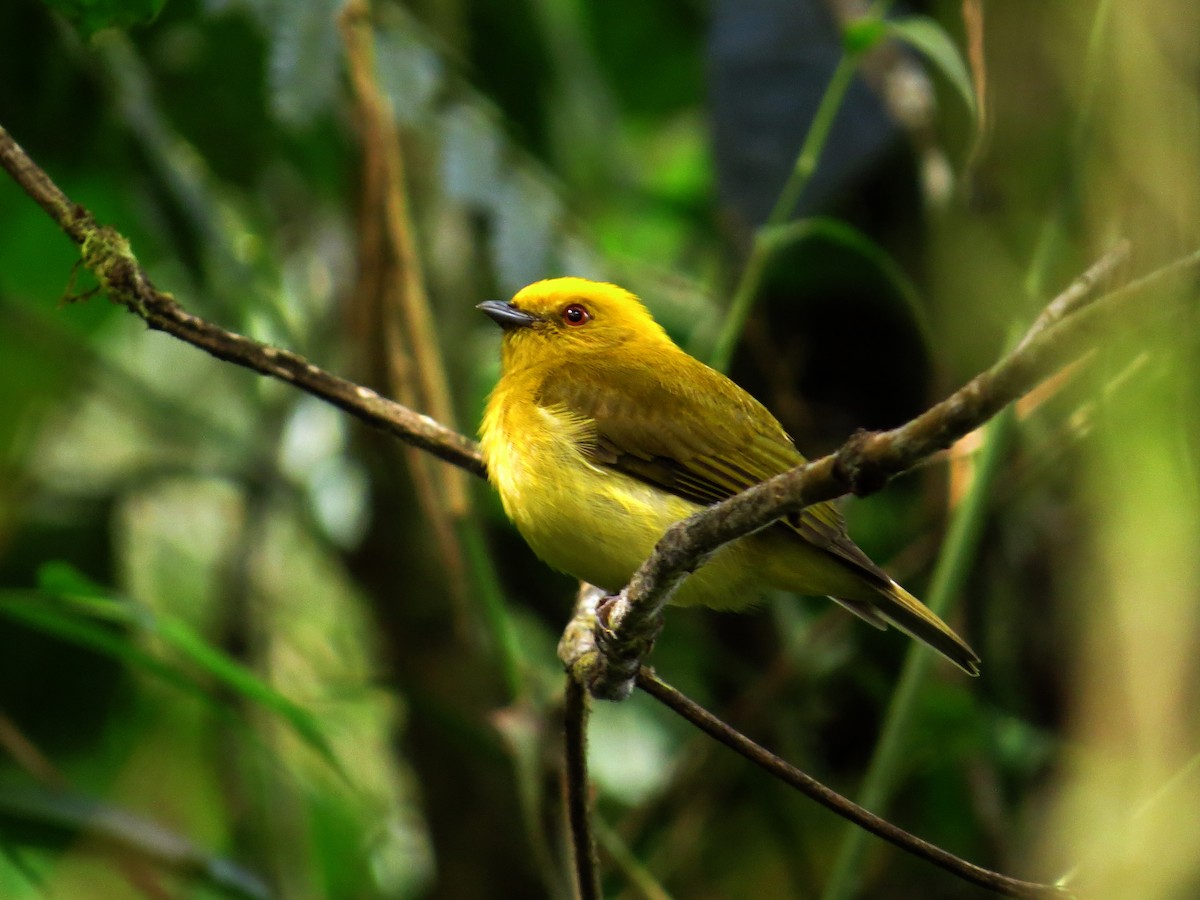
(694, 434)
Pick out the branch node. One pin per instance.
(857, 467)
(108, 254)
(79, 220)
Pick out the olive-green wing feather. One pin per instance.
(687, 429)
(684, 428)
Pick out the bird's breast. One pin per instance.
(589, 521)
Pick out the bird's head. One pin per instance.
(563, 317)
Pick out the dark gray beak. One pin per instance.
(506, 315)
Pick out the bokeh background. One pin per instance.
(249, 648)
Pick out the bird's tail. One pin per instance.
(900, 608)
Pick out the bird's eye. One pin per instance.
(576, 314)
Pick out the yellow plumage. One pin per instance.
(602, 433)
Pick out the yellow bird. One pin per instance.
(602, 433)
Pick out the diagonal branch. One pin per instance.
(108, 255)
(835, 802)
(1067, 330)
(1069, 327)
(604, 645)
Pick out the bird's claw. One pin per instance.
(593, 651)
(622, 655)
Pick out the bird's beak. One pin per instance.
(506, 315)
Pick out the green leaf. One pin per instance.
(48, 614)
(861, 34)
(74, 608)
(79, 814)
(932, 41)
(192, 646)
(58, 577)
(89, 16)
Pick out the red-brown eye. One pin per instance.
(576, 314)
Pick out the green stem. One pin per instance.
(814, 142)
(963, 537)
(486, 584)
(743, 301)
(1052, 234)
(802, 172)
(958, 554)
(640, 878)
(821, 126)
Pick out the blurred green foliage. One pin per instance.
(91, 16)
(233, 659)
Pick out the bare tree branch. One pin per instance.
(108, 255)
(831, 800)
(1079, 293)
(1069, 328)
(605, 643)
(575, 791)
(863, 465)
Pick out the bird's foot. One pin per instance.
(601, 654)
(623, 649)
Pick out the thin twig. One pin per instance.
(1080, 292)
(764, 244)
(642, 882)
(863, 465)
(575, 790)
(958, 553)
(1167, 789)
(109, 256)
(835, 802)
